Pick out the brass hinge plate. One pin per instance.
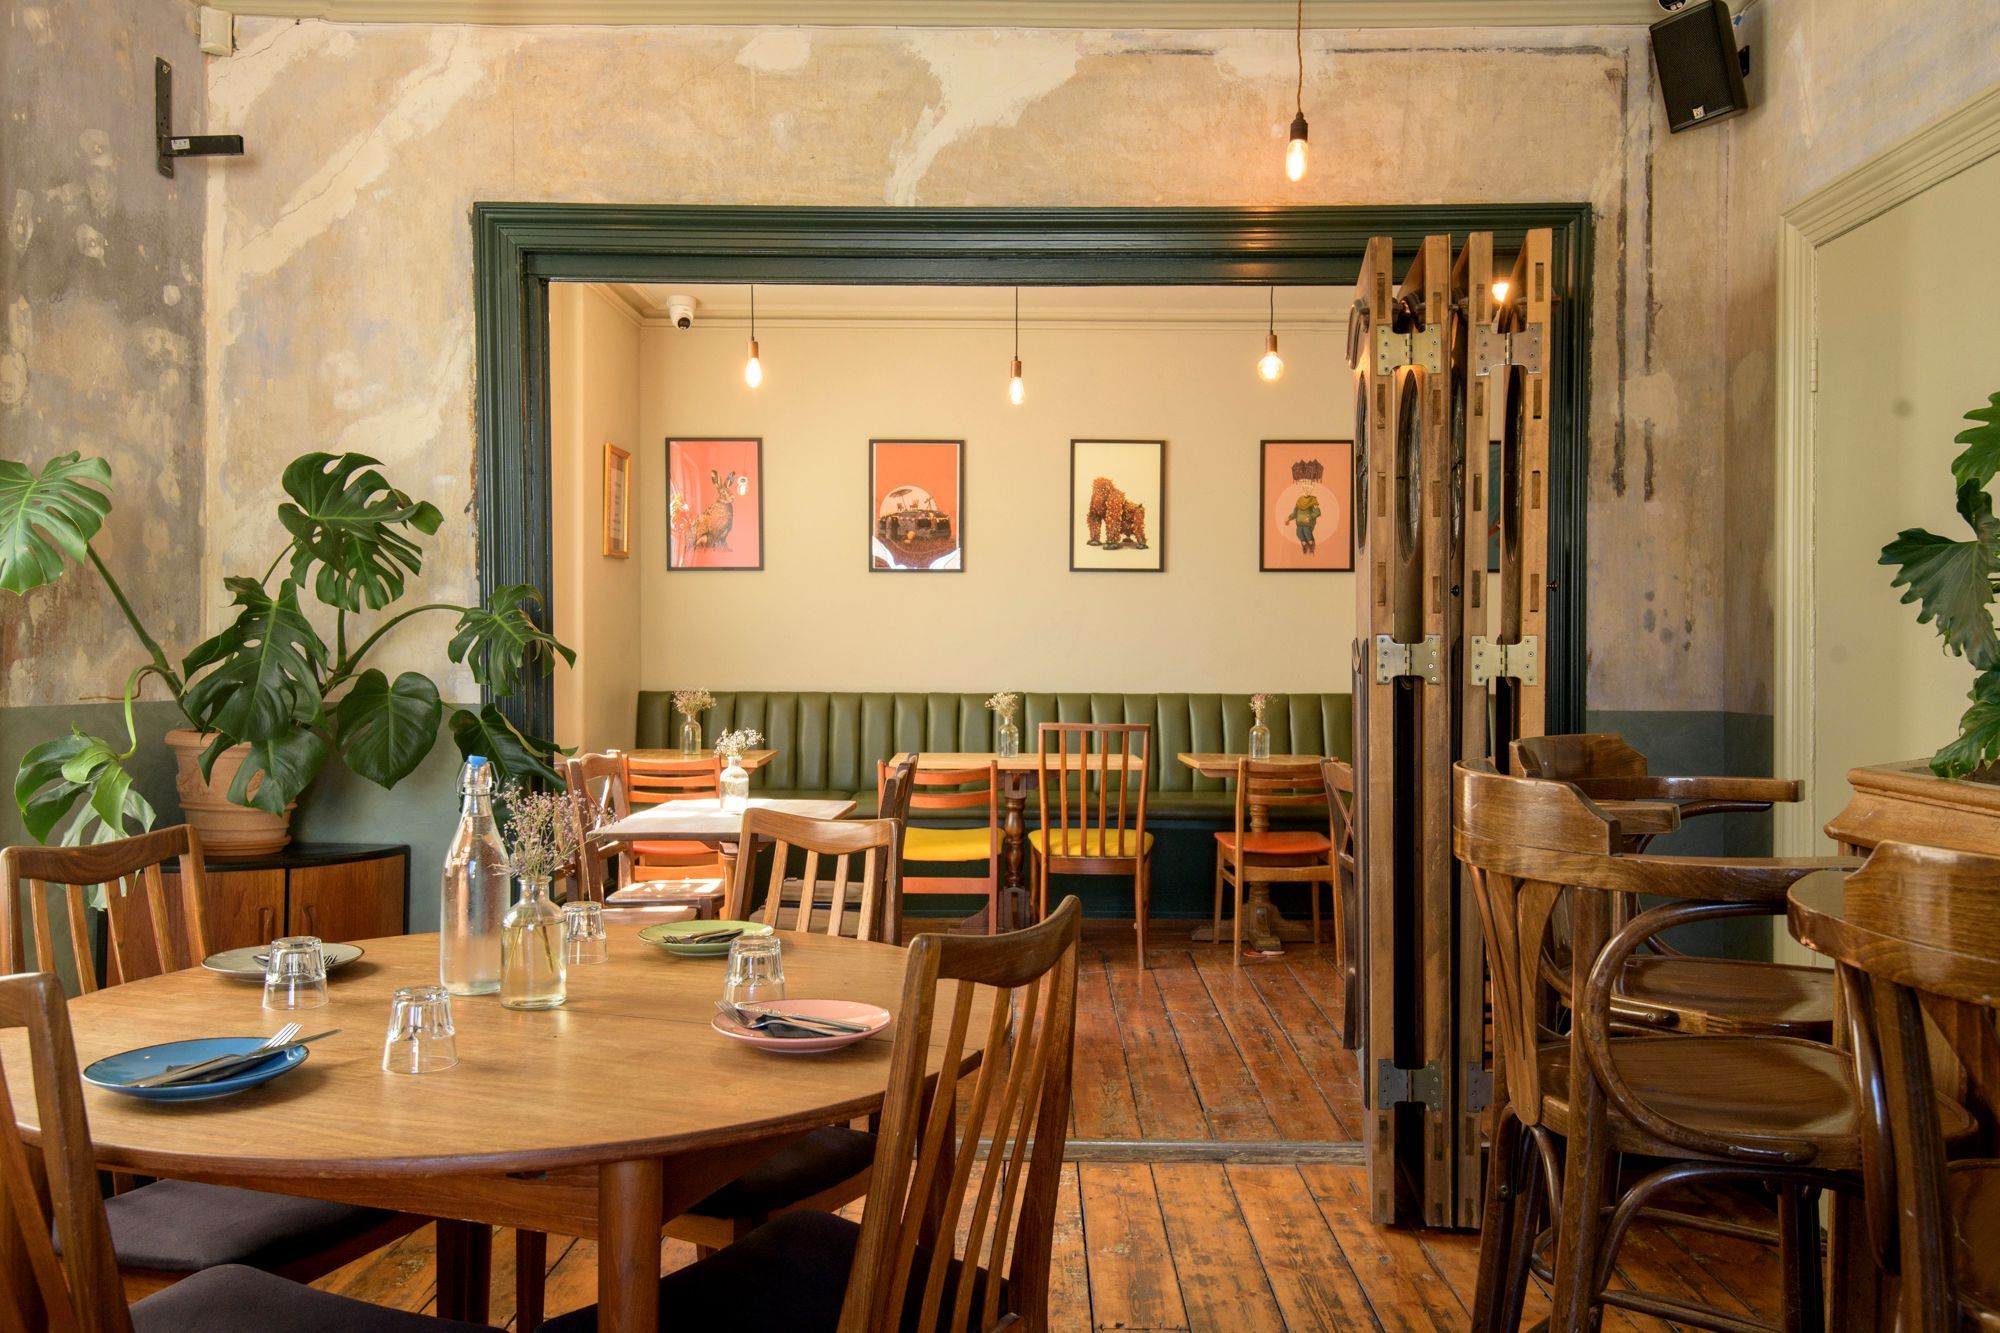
(1492, 349)
(1393, 1085)
(1393, 659)
(1478, 1087)
(1424, 349)
(1522, 661)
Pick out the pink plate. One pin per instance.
(845, 1011)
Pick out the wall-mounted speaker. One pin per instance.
(1694, 50)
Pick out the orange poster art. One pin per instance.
(715, 504)
(1305, 518)
(916, 512)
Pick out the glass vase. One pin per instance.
(691, 735)
(533, 972)
(1260, 740)
(735, 786)
(1007, 741)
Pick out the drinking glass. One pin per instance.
(756, 970)
(421, 1037)
(295, 973)
(583, 933)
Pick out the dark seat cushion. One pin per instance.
(736, 1287)
(243, 1300)
(807, 1166)
(179, 1226)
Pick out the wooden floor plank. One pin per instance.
(1103, 1106)
(1230, 1098)
(1133, 1282)
(1315, 1287)
(1291, 1092)
(1406, 1293)
(1223, 1286)
(1069, 1258)
(1163, 1090)
(1308, 1019)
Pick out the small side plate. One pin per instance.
(845, 1011)
(668, 935)
(243, 965)
(115, 1072)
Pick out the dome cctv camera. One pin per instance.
(680, 309)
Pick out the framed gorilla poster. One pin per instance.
(1305, 502)
(1117, 505)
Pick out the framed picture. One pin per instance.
(916, 506)
(1117, 505)
(715, 504)
(1305, 506)
(617, 502)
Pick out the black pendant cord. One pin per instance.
(1017, 323)
(1272, 327)
(1299, 41)
(753, 312)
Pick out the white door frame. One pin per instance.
(1947, 146)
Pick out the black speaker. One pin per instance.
(1694, 50)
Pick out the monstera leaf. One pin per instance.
(289, 762)
(1981, 459)
(48, 515)
(385, 730)
(1978, 742)
(1952, 581)
(262, 673)
(517, 757)
(345, 517)
(57, 774)
(497, 640)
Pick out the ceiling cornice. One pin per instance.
(1087, 14)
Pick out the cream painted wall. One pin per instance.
(593, 401)
(1907, 347)
(1016, 617)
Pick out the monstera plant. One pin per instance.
(1952, 581)
(270, 682)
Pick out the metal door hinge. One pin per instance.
(1522, 661)
(1424, 348)
(1393, 659)
(1478, 1087)
(1492, 349)
(1393, 1085)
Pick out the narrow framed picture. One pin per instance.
(1305, 506)
(715, 504)
(1117, 506)
(617, 502)
(916, 506)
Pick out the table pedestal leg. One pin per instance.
(629, 1217)
(1014, 894)
(464, 1269)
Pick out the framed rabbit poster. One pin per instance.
(715, 504)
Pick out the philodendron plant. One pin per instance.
(1953, 581)
(270, 680)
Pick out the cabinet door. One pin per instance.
(243, 907)
(355, 900)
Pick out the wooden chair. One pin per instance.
(1774, 1110)
(1244, 856)
(650, 781)
(1923, 952)
(1663, 988)
(871, 915)
(165, 1231)
(952, 792)
(1339, 776)
(1092, 806)
(607, 871)
(936, 1250)
(73, 1282)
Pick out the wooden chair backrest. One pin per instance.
(650, 781)
(896, 788)
(871, 894)
(921, 1190)
(1594, 754)
(55, 1193)
(597, 782)
(1338, 775)
(948, 789)
(150, 931)
(1926, 945)
(1087, 810)
(1280, 788)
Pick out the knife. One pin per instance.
(204, 1070)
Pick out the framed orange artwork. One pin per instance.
(617, 502)
(916, 511)
(715, 504)
(1305, 506)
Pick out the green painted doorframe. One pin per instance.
(518, 249)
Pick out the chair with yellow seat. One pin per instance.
(1091, 794)
(960, 792)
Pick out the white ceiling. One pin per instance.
(1204, 307)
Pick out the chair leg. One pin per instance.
(1504, 1217)
(1215, 931)
(1313, 888)
(1798, 1260)
(1143, 901)
(1236, 929)
(531, 1267)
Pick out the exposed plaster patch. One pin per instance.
(266, 49)
(89, 242)
(21, 227)
(775, 52)
(985, 80)
(96, 145)
(170, 294)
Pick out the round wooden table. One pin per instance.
(602, 1118)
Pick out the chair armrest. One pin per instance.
(1754, 792)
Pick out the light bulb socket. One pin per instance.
(1270, 344)
(753, 349)
(1014, 369)
(1299, 128)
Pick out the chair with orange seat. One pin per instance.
(1247, 855)
(656, 781)
(952, 792)
(617, 876)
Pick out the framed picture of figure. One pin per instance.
(916, 506)
(617, 502)
(1305, 506)
(1118, 506)
(715, 504)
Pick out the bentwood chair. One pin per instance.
(1919, 948)
(1661, 987)
(949, 1242)
(1339, 775)
(951, 793)
(1774, 1110)
(58, 1261)
(1091, 799)
(1244, 856)
(164, 1231)
(608, 872)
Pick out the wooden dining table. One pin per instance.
(602, 1118)
(706, 821)
(752, 760)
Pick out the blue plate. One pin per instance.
(118, 1072)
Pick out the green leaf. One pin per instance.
(1978, 742)
(1981, 459)
(500, 638)
(289, 763)
(1952, 581)
(57, 775)
(516, 757)
(346, 517)
(262, 676)
(46, 516)
(385, 730)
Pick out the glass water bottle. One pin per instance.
(691, 734)
(534, 972)
(472, 899)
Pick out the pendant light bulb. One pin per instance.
(1500, 290)
(753, 369)
(1295, 151)
(1270, 365)
(1017, 389)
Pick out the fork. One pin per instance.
(180, 1073)
(755, 1018)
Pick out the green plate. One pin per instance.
(667, 935)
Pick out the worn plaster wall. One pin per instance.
(339, 264)
(101, 339)
(1840, 81)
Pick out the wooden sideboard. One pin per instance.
(335, 890)
(1907, 802)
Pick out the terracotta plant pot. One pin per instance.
(227, 829)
